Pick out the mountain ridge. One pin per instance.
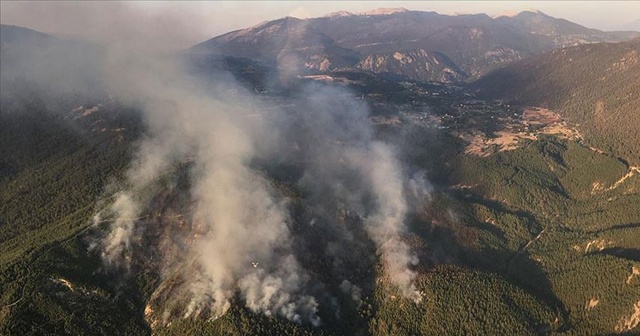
(475, 43)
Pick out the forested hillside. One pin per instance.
(596, 86)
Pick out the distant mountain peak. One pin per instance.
(532, 11)
(264, 27)
(513, 14)
(373, 12)
(384, 11)
(506, 13)
(339, 14)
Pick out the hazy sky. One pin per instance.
(181, 24)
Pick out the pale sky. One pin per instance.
(182, 24)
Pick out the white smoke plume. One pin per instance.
(386, 225)
(239, 244)
(349, 165)
(242, 243)
(352, 290)
(118, 242)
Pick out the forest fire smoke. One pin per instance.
(245, 246)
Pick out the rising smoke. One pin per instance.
(239, 244)
(246, 242)
(359, 174)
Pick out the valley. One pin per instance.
(501, 176)
(443, 175)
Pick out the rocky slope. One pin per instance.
(475, 43)
(415, 64)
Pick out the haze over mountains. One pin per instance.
(391, 172)
(633, 25)
(411, 44)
